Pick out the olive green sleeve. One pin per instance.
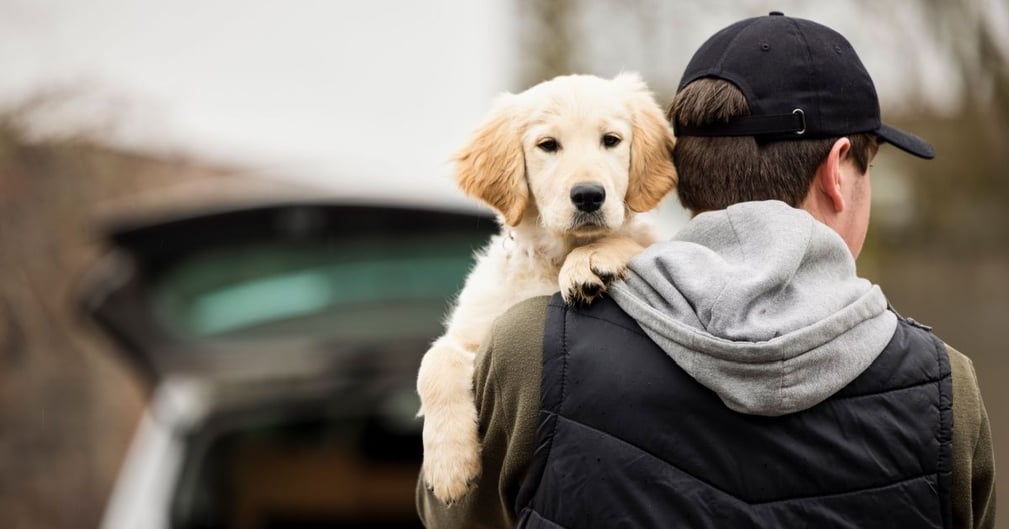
(973, 456)
(507, 390)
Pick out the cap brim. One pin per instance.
(906, 141)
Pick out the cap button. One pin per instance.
(776, 14)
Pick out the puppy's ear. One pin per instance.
(652, 173)
(491, 167)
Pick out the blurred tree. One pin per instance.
(959, 199)
(546, 37)
(67, 406)
(970, 28)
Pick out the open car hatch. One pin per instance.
(281, 289)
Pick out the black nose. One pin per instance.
(588, 197)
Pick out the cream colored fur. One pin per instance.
(546, 244)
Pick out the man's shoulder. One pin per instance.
(959, 361)
(969, 416)
(515, 343)
(966, 393)
(973, 485)
(521, 317)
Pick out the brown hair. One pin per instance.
(715, 173)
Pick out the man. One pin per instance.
(742, 375)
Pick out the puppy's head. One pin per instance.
(584, 149)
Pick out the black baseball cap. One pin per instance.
(801, 80)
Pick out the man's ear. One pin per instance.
(827, 179)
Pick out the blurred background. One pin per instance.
(162, 160)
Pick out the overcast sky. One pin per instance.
(349, 93)
(368, 94)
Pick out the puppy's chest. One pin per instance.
(533, 270)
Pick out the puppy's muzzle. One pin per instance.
(588, 197)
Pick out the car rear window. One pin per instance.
(357, 290)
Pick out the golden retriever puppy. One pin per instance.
(566, 165)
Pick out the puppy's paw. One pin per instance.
(587, 273)
(451, 452)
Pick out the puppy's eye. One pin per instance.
(611, 140)
(548, 145)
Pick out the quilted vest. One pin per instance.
(627, 439)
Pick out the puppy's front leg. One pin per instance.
(451, 443)
(588, 270)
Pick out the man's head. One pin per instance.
(781, 108)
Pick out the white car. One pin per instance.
(281, 342)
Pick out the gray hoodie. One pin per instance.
(760, 303)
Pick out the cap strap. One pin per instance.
(794, 123)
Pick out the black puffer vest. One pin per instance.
(628, 439)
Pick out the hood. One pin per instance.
(759, 303)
